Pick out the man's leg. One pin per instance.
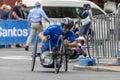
(32, 33)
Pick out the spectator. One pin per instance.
(81, 49)
(84, 20)
(1, 9)
(25, 11)
(17, 11)
(5, 12)
(35, 16)
(18, 14)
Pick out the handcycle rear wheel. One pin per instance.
(34, 53)
(33, 62)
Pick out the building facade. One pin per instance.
(8, 2)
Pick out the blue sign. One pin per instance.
(14, 31)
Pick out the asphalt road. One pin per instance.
(15, 64)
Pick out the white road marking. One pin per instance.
(16, 57)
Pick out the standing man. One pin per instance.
(35, 16)
(84, 20)
(17, 14)
(17, 11)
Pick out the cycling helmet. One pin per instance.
(67, 23)
(37, 4)
(81, 39)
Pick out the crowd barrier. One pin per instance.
(14, 31)
(106, 40)
(17, 31)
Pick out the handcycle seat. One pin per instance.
(46, 59)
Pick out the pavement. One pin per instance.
(102, 65)
(112, 67)
(97, 68)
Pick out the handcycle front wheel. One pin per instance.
(57, 62)
(65, 62)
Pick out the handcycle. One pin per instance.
(59, 55)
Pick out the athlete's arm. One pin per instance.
(43, 37)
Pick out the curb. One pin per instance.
(97, 68)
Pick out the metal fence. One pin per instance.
(106, 36)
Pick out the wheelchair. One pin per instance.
(59, 56)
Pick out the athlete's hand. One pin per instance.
(44, 39)
(66, 42)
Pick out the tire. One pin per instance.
(55, 66)
(34, 54)
(57, 63)
(65, 63)
(33, 62)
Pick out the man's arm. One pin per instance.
(16, 16)
(44, 16)
(71, 44)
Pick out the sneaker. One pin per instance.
(84, 55)
(18, 46)
(26, 48)
(38, 54)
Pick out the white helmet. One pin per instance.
(79, 39)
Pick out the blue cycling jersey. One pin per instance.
(54, 31)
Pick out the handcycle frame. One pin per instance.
(60, 56)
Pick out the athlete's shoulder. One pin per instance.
(54, 26)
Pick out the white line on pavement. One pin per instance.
(16, 57)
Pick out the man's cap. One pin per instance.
(37, 4)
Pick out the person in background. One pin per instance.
(17, 14)
(81, 49)
(17, 11)
(5, 12)
(34, 17)
(25, 11)
(1, 8)
(84, 20)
